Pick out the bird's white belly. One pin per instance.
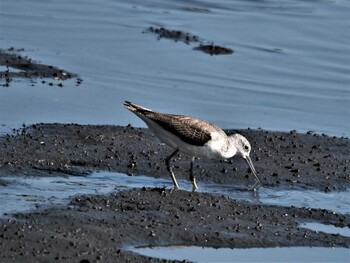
(205, 151)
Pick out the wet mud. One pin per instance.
(281, 159)
(100, 228)
(185, 37)
(19, 66)
(214, 49)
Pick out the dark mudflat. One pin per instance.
(100, 228)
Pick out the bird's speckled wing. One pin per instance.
(190, 130)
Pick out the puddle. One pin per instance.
(208, 254)
(25, 193)
(343, 231)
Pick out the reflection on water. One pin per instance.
(208, 254)
(24, 193)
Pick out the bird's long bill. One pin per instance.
(251, 166)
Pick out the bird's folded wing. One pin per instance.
(190, 130)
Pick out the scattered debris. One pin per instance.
(178, 35)
(214, 49)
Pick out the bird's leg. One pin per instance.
(192, 178)
(170, 170)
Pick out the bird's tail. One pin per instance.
(135, 108)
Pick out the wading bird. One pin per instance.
(194, 137)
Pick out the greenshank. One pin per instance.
(194, 137)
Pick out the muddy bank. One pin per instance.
(100, 228)
(19, 66)
(281, 159)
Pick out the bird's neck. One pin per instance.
(229, 148)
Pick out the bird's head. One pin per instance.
(243, 149)
(242, 145)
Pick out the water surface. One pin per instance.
(290, 69)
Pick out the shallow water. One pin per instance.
(290, 69)
(208, 254)
(333, 201)
(24, 193)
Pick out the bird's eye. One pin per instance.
(246, 147)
